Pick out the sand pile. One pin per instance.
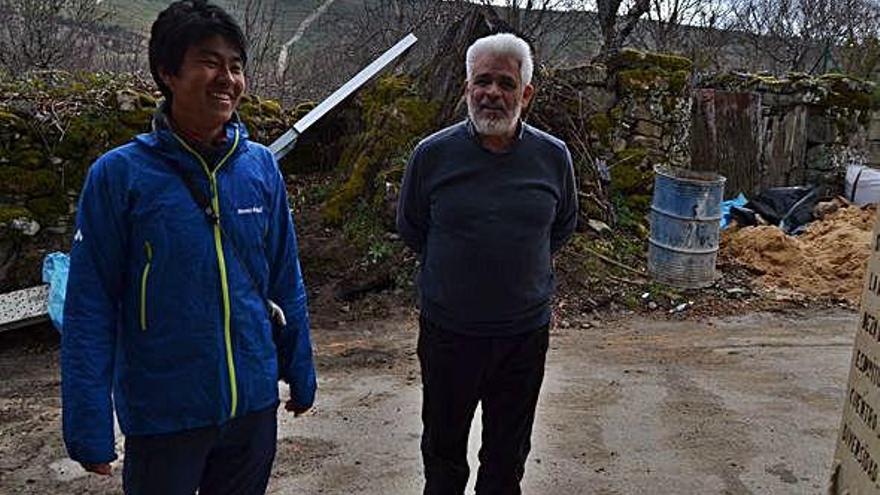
(827, 260)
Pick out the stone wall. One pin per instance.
(619, 120)
(625, 118)
(53, 126)
(797, 130)
(644, 109)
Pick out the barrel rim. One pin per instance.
(691, 176)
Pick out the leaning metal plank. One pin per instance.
(285, 143)
(23, 307)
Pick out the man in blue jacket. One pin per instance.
(184, 255)
(486, 202)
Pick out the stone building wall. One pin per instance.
(804, 130)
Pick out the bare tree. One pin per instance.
(806, 35)
(616, 28)
(859, 50)
(666, 23)
(558, 29)
(49, 34)
(259, 21)
(532, 17)
(698, 29)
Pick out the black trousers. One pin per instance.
(458, 371)
(233, 459)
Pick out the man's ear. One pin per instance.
(528, 92)
(166, 77)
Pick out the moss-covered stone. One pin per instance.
(20, 181)
(600, 123)
(10, 213)
(265, 119)
(652, 79)
(48, 208)
(636, 59)
(828, 90)
(628, 178)
(849, 92)
(632, 179)
(394, 115)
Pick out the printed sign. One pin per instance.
(856, 469)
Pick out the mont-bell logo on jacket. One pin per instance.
(250, 211)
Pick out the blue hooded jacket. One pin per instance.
(162, 320)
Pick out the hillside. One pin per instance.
(345, 20)
(137, 15)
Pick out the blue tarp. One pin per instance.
(55, 268)
(738, 201)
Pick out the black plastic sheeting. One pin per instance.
(789, 208)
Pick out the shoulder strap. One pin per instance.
(204, 203)
(197, 194)
(276, 314)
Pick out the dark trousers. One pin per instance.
(235, 458)
(505, 375)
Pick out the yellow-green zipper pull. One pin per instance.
(148, 250)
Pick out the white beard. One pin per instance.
(491, 126)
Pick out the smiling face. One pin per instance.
(208, 86)
(496, 95)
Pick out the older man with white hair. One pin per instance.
(486, 203)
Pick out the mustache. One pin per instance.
(489, 106)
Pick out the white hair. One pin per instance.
(504, 44)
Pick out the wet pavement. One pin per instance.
(742, 405)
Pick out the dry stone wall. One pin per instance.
(619, 120)
(798, 129)
(53, 125)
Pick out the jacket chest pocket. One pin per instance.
(248, 226)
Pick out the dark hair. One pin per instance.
(183, 24)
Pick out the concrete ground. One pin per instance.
(742, 405)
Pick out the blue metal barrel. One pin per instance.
(685, 226)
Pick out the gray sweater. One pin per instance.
(486, 225)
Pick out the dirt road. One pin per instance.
(744, 405)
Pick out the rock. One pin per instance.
(600, 98)
(874, 129)
(127, 100)
(652, 305)
(681, 307)
(598, 225)
(820, 130)
(26, 226)
(649, 129)
(646, 142)
(819, 159)
(825, 208)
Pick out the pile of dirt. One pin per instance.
(828, 260)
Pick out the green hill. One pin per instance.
(138, 15)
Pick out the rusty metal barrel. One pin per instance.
(685, 227)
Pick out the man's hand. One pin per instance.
(290, 405)
(103, 469)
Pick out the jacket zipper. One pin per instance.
(221, 263)
(148, 250)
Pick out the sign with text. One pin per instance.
(856, 468)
